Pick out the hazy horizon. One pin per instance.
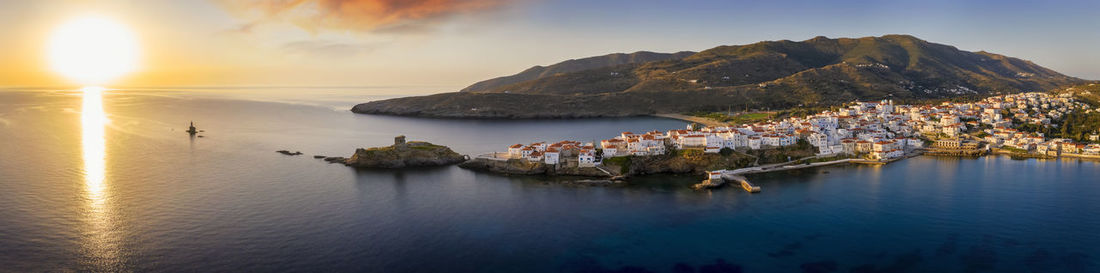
(458, 42)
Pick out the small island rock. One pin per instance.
(404, 154)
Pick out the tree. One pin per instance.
(1066, 124)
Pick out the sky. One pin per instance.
(453, 43)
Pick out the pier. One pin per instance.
(745, 184)
(719, 178)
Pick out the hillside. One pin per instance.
(501, 84)
(1088, 93)
(771, 74)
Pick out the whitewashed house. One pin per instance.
(694, 140)
(515, 151)
(818, 139)
(535, 156)
(714, 175)
(610, 151)
(586, 158)
(771, 140)
(551, 156)
(787, 140)
(712, 149)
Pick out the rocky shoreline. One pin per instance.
(618, 168)
(399, 155)
(404, 154)
(524, 167)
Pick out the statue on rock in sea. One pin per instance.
(191, 130)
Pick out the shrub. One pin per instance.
(693, 153)
(622, 161)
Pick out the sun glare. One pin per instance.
(93, 50)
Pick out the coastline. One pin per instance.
(788, 166)
(792, 165)
(872, 133)
(701, 120)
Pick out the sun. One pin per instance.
(93, 50)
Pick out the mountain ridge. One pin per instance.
(819, 71)
(573, 65)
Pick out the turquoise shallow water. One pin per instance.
(227, 202)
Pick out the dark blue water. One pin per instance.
(227, 202)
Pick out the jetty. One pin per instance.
(745, 184)
(719, 178)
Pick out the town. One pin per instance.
(878, 131)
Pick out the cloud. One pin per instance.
(243, 28)
(327, 48)
(393, 16)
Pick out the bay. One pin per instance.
(151, 198)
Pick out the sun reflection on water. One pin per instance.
(101, 244)
(93, 120)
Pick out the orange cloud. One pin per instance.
(362, 15)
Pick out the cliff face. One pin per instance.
(694, 162)
(524, 167)
(412, 154)
(511, 166)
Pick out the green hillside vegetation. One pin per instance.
(1078, 124)
(818, 72)
(599, 62)
(735, 118)
(784, 154)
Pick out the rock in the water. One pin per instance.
(318, 156)
(336, 159)
(404, 154)
(709, 184)
(285, 152)
(597, 182)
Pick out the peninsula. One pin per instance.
(1063, 123)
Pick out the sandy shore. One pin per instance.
(699, 120)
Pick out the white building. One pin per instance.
(712, 149)
(610, 151)
(515, 151)
(755, 142)
(551, 156)
(586, 158)
(714, 175)
(818, 139)
(694, 140)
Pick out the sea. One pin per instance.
(107, 180)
